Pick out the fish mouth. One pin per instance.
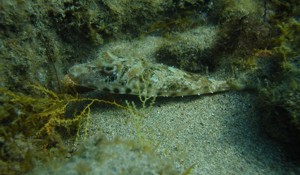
(77, 71)
(70, 84)
(75, 74)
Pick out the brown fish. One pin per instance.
(113, 74)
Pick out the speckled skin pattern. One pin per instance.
(113, 74)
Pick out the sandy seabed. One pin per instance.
(217, 134)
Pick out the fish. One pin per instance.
(135, 76)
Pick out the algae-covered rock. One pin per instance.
(110, 157)
(31, 51)
(226, 10)
(104, 20)
(244, 30)
(280, 105)
(280, 98)
(190, 50)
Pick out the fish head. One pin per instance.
(94, 74)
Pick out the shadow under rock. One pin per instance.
(244, 131)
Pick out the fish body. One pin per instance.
(113, 74)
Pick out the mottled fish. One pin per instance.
(113, 74)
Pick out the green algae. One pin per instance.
(280, 100)
(280, 95)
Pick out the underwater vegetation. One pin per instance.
(33, 126)
(280, 105)
(105, 20)
(280, 96)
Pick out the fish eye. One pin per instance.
(109, 69)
